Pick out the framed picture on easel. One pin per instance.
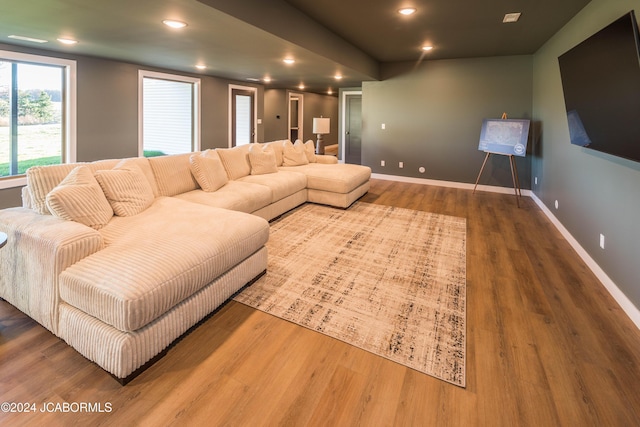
(504, 136)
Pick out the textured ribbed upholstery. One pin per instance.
(282, 183)
(121, 353)
(145, 271)
(79, 198)
(340, 178)
(235, 195)
(236, 160)
(126, 188)
(40, 247)
(42, 179)
(173, 174)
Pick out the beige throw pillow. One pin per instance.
(262, 159)
(235, 161)
(208, 170)
(294, 155)
(79, 198)
(126, 189)
(309, 150)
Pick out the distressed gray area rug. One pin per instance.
(388, 280)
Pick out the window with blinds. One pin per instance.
(169, 116)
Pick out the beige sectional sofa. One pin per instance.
(120, 258)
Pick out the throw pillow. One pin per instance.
(126, 189)
(294, 155)
(79, 198)
(208, 170)
(310, 151)
(235, 161)
(262, 159)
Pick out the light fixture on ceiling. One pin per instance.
(511, 17)
(406, 11)
(267, 79)
(66, 40)
(301, 86)
(289, 61)
(201, 67)
(330, 92)
(27, 39)
(338, 77)
(174, 23)
(427, 48)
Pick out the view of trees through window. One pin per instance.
(30, 116)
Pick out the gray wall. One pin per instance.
(433, 114)
(107, 110)
(597, 193)
(315, 105)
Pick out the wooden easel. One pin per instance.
(514, 171)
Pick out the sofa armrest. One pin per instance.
(326, 159)
(39, 248)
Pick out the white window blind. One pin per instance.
(168, 116)
(243, 119)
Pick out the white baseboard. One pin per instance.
(450, 184)
(627, 306)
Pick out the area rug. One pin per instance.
(388, 280)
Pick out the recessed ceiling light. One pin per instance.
(329, 92)
(301, 86)
(338, 77)
(201, 67)
(65, 40)
(427, 48)
(511, 17)
(407, 11)
(174, 24)
(27, 39)
(267, 79)
(289, 61)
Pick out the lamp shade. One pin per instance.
(321, 125)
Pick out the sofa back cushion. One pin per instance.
(79, 198)
(235, 160)
(173, 174)
(42, 179)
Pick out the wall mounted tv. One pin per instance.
(601, 85)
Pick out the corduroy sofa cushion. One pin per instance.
(158, 258)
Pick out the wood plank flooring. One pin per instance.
(546, 346)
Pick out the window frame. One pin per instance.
(196, 107)
(69, 108)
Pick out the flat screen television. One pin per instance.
(601, 85)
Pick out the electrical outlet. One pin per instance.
(421, 169)
(401, 165)
(382, 163)
(602, 240)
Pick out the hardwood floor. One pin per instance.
(546, 346)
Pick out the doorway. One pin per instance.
(296, 116)
(242, 115)
(352, 138)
